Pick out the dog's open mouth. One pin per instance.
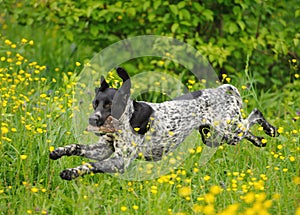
(107, 127)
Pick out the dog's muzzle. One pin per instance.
(95, 119)
(106, 127)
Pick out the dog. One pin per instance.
(128, 128)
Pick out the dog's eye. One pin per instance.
(107, 105)
(95, 104)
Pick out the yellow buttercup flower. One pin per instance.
(23, 157)
(34, 190)
(123, 208)
(4, 130)
(185, 191)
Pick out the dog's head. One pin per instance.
(110, 103)
(100, 121)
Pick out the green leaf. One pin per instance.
(102, 13)
(174, 27)
(208, 14)
(146, 5)
(232, 28)
(186, 23)
(236, 10)
(173, 9)
(131, 11)
(184, 14)
(30, 21)
(69, 35)
(181, 5)
(151, 17)
(296, 41)
(241, 24)
(89, 11)
(156, 4)
(197, 6)
(94, 30)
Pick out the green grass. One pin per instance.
(36, 113)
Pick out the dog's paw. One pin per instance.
(271, 131)
(54, 155)
(69, 174)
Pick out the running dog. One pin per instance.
(128, 128)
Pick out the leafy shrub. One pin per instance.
(224, 31)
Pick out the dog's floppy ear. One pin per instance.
(140, 119)
(122, 95)
(123, 74)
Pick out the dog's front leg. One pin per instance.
(114, 164)
(99, 151)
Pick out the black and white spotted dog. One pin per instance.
(128, 128)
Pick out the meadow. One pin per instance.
(36, 105)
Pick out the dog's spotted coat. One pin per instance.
(154, 129)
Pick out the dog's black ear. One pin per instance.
(122, 95)
(140, 120)
(123, 74)
(103, 85)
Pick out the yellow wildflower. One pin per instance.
(4, 130)
(23, 157)
(209, 198)
(280, 130)
(209, 209)
(7, 42)
(185, 191)
(23, 40)
(206, 178)
(292, 158)
(34, 190)
(197, 208)
(215, 189)
(249, 198)
(123, 208)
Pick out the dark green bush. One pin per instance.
(226, 32)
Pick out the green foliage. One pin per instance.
(36, 104)
(224, 31)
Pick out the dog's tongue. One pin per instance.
(107, 127)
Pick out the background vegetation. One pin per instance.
(43, 47)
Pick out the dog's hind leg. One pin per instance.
(254, 117)
(257, 117)
(114, 164)
(99, 151)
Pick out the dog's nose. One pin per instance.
(95, 119)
